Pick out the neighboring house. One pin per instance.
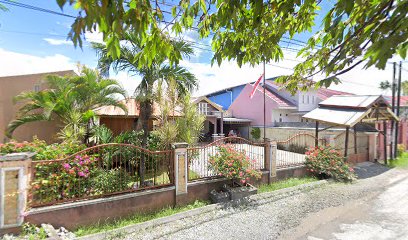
(118, 121)
(12, 86)
(281, 106)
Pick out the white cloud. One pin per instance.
(53, 41)
(213, 78)
(13, 63)
(130, 83)
(94, 37)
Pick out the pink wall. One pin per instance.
(244, 107)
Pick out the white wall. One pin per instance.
(282, 115)
(307, 101)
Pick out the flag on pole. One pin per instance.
(256, 86)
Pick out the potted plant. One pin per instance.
(236, 166)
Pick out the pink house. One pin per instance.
(252, 108)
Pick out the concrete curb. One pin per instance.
(255, 200)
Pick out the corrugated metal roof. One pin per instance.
(349, 110)
(282, 102)
(352, 101)
(336, 116)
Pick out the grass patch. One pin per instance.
(400, 162)
(137, 218)
(290, 182)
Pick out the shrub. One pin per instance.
(233, 164)
(44, 151)
(297, 148)
(113, 180)
(64, 180)
(400, 149)
(256, 133)
(326, 161)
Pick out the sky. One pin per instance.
(34, 42)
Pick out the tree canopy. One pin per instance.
(354, 32)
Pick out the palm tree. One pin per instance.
(157, 73)
(70, 99)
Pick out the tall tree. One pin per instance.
(131, 52)
(70, 99)
(354, 32)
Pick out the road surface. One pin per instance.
(371, 208)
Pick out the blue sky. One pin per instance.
(32, 41)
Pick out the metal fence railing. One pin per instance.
(291, 152)
(199, 166)
(99, 171)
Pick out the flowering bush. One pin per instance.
(43, 150)
(233, 164)
(64, 180)
(326, 161)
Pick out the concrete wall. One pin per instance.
(12, 86)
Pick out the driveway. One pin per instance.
(371, 208)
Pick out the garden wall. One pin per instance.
(72, 215)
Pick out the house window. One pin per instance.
(313, 99)
(303, 98)
(36, 88)
(280, 119)
(307, 99)
(280, 114)
(286, 114)
(203, 108)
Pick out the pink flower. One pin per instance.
(66, 166)
(81, 174)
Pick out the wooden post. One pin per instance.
(355, 139)
(385, 142)
(317, 134)
(346, 142)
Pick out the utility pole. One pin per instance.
(398, 109)
(393, 109)
(264, 102)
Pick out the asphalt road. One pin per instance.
(371, 208)
(379, 215)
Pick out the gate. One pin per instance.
(199, 167)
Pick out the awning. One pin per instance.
(233, 120)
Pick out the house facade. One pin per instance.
(281, 106)
(12, 86)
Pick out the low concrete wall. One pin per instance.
(285, 173)
(72, 215)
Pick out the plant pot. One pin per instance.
(219, 197)
(239, 191)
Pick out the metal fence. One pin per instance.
(199, 166)
(99, 171)
(291, 152)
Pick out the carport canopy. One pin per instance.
(348, 110)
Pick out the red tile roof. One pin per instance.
(324, 93)
(282, 102)
(403, 100)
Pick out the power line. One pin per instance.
(27, 6)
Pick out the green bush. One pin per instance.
(256, 133)
(44, 151)
(400, 149)
(113, 180)
(327, 162)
